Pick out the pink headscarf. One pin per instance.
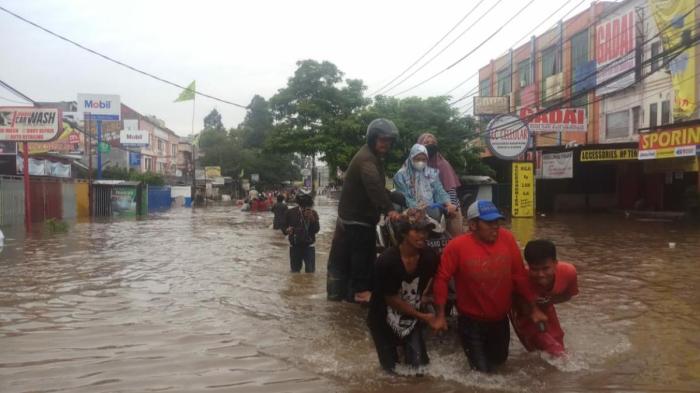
(448, 177)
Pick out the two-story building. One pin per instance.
(608, 62)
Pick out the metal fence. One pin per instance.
(11, 201)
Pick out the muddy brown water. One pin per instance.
(203, 301)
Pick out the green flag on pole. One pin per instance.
(187, 94)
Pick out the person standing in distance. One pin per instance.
(363, 199)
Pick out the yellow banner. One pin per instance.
(670, 13)
(679, 164)
(523, 190)
(69, 140)
(609, 154)
(212, 171)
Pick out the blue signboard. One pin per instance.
(134, 159)
(585, 76)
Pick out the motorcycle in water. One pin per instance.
(437, 238)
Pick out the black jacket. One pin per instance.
(364, 196)
(279, 209)
(305, 229)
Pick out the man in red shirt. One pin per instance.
(553, 282)
(488, 268)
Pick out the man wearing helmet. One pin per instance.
(362, 200)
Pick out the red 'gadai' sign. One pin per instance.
(615, 38)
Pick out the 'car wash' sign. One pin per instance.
(100, 106)
(28, 124)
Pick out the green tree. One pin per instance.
(316, 113)
(258, 123)
(414, 116)
(212, 122)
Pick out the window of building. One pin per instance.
(550, 63)
(524, 73)
(147, 162)
(174, 150)
(579, 49)
(579, 58)
(617, 124)
(656, 60)
(503, 84)
(636, 113)
(653, 115)
(161, 145)
(665, 112)
(485, 88)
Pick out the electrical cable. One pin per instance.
(469, 53)
(429, 50)
(493, 6)
(132, 68)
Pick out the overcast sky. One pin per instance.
(236, 49)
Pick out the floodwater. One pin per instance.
(202, 301)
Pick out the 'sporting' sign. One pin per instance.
(100, 106)
(669, 143)
(555, 120)
(25, 124)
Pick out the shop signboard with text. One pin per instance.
(28, 124)
(491, 105)
(681, 141)
(558, 165)
(615, 42)
(555, 120)
(608, 155)
(523, 190)
(100, 106)
(507, 137)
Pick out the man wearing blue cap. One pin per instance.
(488, 268)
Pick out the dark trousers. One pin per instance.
(305, 254)
(350, 261)
(484, 343)
(387, 343)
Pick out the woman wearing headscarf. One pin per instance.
(419, 183)
(448, 178)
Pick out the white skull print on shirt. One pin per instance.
(401, 324)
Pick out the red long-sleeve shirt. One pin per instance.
(486, 275)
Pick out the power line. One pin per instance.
(13, 101)
(666, 60)
(429, 50)
(479, 19)
(132, 68)
(470, 52)
(523, 37)
(474, 91)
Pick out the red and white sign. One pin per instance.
(507, 137)
(555, 120)
(615, 43)
(27, 124)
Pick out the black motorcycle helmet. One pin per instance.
(381, 128)
(304, 200)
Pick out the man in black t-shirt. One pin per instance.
(401, 276)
